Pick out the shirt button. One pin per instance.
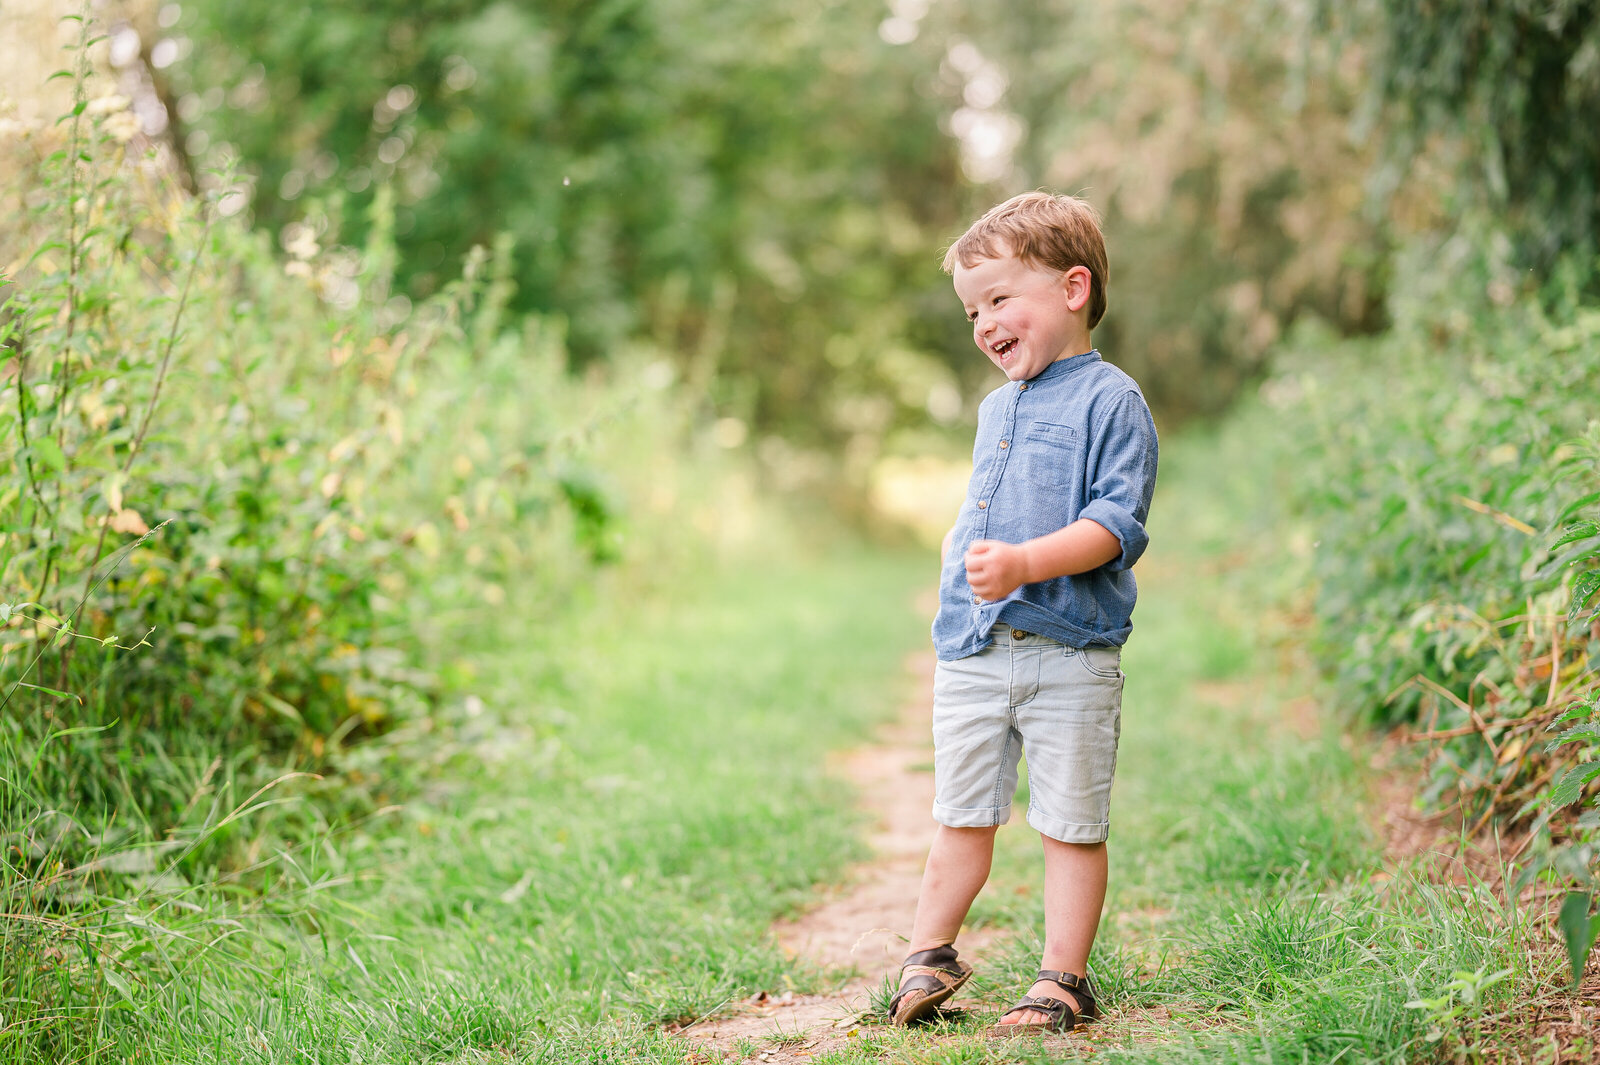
(1022, 387)
(1004, 444)
(983, 504)
(977, 599)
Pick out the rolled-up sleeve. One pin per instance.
(1122, 475)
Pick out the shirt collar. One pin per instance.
(1062, 367)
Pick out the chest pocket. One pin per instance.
(1051, 454)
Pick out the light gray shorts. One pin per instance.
(1061, 704)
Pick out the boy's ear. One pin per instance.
(1075, 283)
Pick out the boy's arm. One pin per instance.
(1110, 529)
(995, 569)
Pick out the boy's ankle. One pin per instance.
(939, 954)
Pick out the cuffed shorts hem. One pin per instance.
(961, 817)
(1066, 831)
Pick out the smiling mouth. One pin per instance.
(1004, 348)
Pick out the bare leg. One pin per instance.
(958, 865)
(1074, 893)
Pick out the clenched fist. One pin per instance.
(995, 569)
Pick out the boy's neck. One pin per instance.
(1073, 350)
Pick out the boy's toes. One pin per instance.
(1033, 1017)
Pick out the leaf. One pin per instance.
(49, 452)
(1582, 590)
(115, 980)
(1578, 504)
(48, 691)
(1579, 930)
(1565, 791)
(1576, 732)
(286, 709)
(1576, 711)
(1581, 531)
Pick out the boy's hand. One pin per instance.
(995, 568)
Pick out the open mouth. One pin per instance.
(1004, 348)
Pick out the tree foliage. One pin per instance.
(1517, 85)
(764, 191)
(739, 182)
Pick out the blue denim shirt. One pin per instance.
(1077, 441)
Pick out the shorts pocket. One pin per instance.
(1103, 662)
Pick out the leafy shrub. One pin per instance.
(1576, 745)
(279, 482)
(1447, 475)
(1434, 466)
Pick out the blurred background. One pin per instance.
(761, 195)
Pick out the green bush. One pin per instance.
(246, 500)
(1433, 468)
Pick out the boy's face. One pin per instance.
(1024, 317)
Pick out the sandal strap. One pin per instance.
(927, 971)
(1079, 986)
(1063, 1018)
(937, 957)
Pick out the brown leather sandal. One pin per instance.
(927, 978)
(1062, 1017)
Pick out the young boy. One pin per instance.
(1035, 602)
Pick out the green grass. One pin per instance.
(624, 801)
(602, 853)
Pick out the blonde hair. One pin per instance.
(1056, 232)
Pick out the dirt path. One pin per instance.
(863, 927)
